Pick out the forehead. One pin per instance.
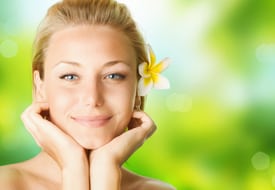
(85, 43)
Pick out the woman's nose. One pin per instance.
(92, 94)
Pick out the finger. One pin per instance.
(57, 144)
(145, 128)
(46, 130)
(29, 117)
(29, 126)
(145, 122)
(134, 122)
(42, 130)
(32, 112)
(39, 108)
(127, 143)
(35, 108)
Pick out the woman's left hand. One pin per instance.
(107, 160)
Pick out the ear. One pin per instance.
(39, 92)
(137, 103)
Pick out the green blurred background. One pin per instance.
(216, 123)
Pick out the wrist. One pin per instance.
(76, 175)
(105, 174)
(75, 159)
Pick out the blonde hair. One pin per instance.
(88, 12)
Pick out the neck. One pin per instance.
(46, 167)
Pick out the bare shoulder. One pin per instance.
(132, 181)
(152, 184)
(10, 177)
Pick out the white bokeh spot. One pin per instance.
(177, 102)
(8, 48)
(260, 161)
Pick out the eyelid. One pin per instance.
(116, 76)
(74, 76)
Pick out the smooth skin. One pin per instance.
(83, 116)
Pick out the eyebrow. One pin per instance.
(68, 63)
(111, 63)
(107, 64)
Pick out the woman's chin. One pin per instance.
(93, 144)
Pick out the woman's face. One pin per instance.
(90, 83)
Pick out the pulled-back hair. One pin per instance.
(86, 12)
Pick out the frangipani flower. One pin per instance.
(150, 74)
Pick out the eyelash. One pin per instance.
(69, 77)
(115, 76)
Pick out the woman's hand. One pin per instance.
(120, 148)
(69, 155)
(105, 162)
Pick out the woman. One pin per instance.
(86, 111)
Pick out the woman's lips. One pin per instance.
(92, 121)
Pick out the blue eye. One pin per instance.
(69, 77)
(115, 76)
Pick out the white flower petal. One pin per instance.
(161, 66)
(165, 63)
(162, 83)
(141, 68)
(142, 88)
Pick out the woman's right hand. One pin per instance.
(65, 151)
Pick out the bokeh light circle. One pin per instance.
(260, 161)
(177, 102)
(8, 48)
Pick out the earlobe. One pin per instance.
(39, 89)
(137, 103)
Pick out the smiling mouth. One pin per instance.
(93, 122)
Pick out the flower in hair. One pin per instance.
(150, 74)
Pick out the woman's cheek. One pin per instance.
(59, 105)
